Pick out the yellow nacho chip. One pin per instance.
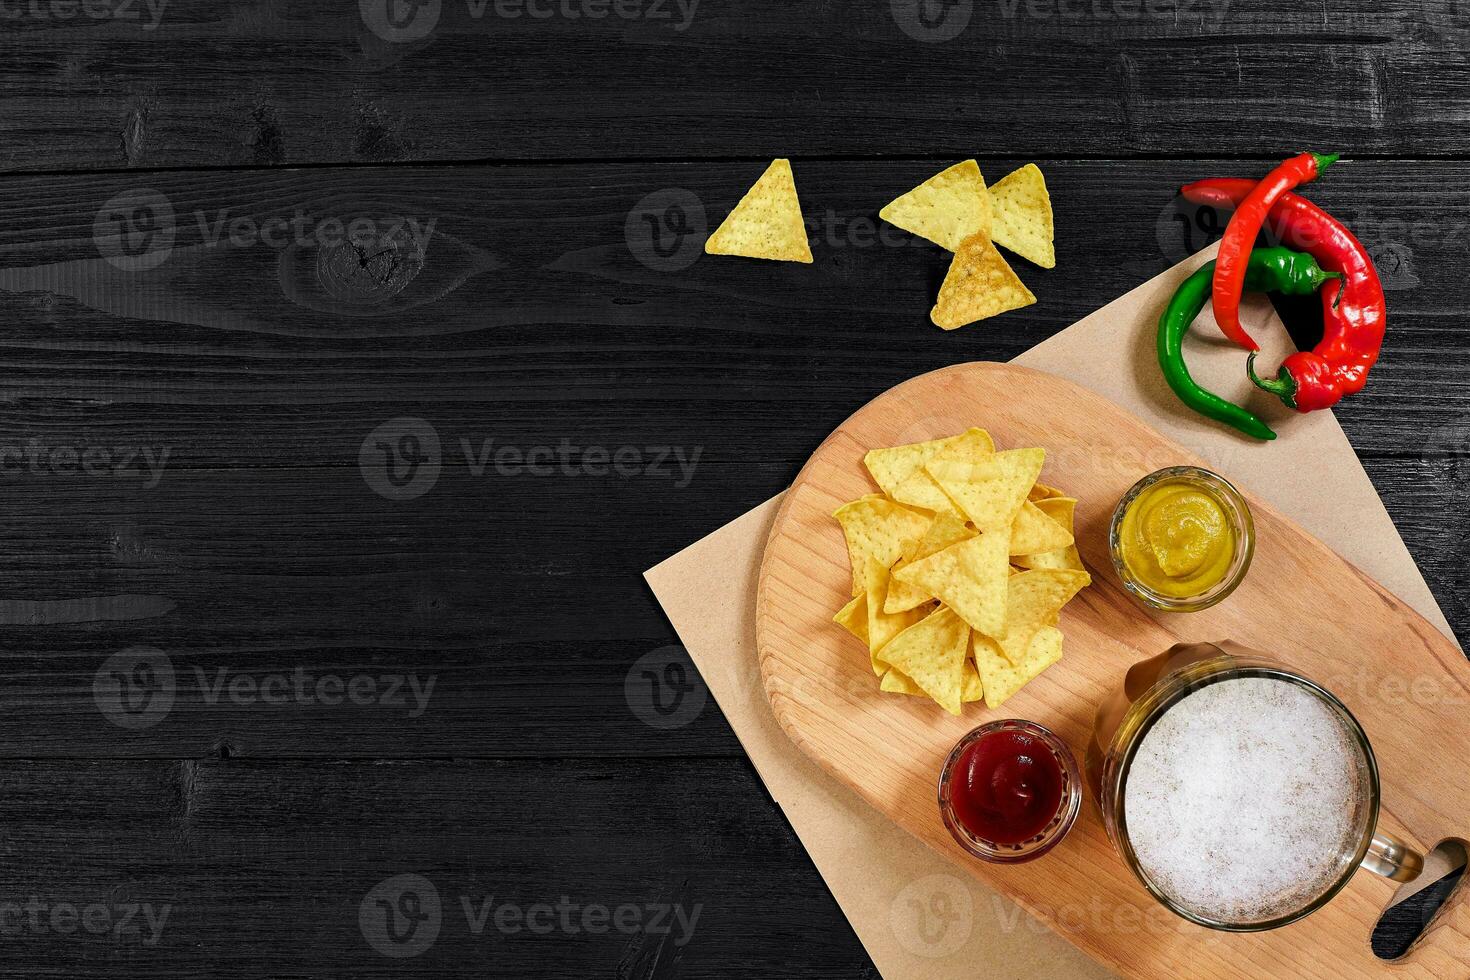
(972, 689)
(932, 654)
(945, 531)
(767, 222)
(1023, 220)
(1034, 532)
(1043, 492)
(946, 209)
(1034, 600)
(1061, 510)
(990, 488)
(1001, 678)
(882, 627)
(969, 577)
(919, 488)
(890, 467)
(979, 284)
(876, 526)
(853, 617)
(897, 682)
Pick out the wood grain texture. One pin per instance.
(271, 82)
(260, 869)
(534, 320)
(1300, 602)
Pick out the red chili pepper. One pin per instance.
(1353, 320)
(1240, 238)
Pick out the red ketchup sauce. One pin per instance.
(1006, 787)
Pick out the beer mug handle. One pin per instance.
(1392, 858)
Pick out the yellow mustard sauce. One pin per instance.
(1177, 540)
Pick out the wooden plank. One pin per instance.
(267, 82)
(1300, 603)
(234, 869)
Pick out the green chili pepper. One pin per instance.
(1270, 270)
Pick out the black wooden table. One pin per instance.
(358, 358)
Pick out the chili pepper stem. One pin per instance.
(1325, 160)
(1282, 386)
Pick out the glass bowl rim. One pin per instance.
(1241, 518)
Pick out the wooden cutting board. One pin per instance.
(1301, 602)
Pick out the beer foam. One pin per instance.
(1245, 799)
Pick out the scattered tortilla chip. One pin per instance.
(945, 531)
(1061, 510)
(970, 578)
(1023, 219)
(767, 222)
(876, 526)
(897, 682)
(1033, 532)
(979, 284)
(882, 627)
(1035, 599)
(973, 688)
(919, 488)
(890, 467)
(1000, 677)
(853, 617)
(946, 209)
(932, 654)
(1043, 492)
(989, 489)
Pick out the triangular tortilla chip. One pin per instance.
(919, 489)
(891, 466)
(1034, 600)
(1023, 221)
(1061, 510)
(946, 209)
(767, 223)
(882, 627)
(945, 531)
(876, 526)
(970, 577)
(1034, 533)
(853, 617)
(979, 284)
(991, 488)
(1000, 677)
(1043, 492)
(932, 653)
(971, 690)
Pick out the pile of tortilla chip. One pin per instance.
(960, 569)
(955, 210)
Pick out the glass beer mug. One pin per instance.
(1242, 795)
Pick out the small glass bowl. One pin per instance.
(1052, 835)
(1235, 509)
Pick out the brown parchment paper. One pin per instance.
(916, 915)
